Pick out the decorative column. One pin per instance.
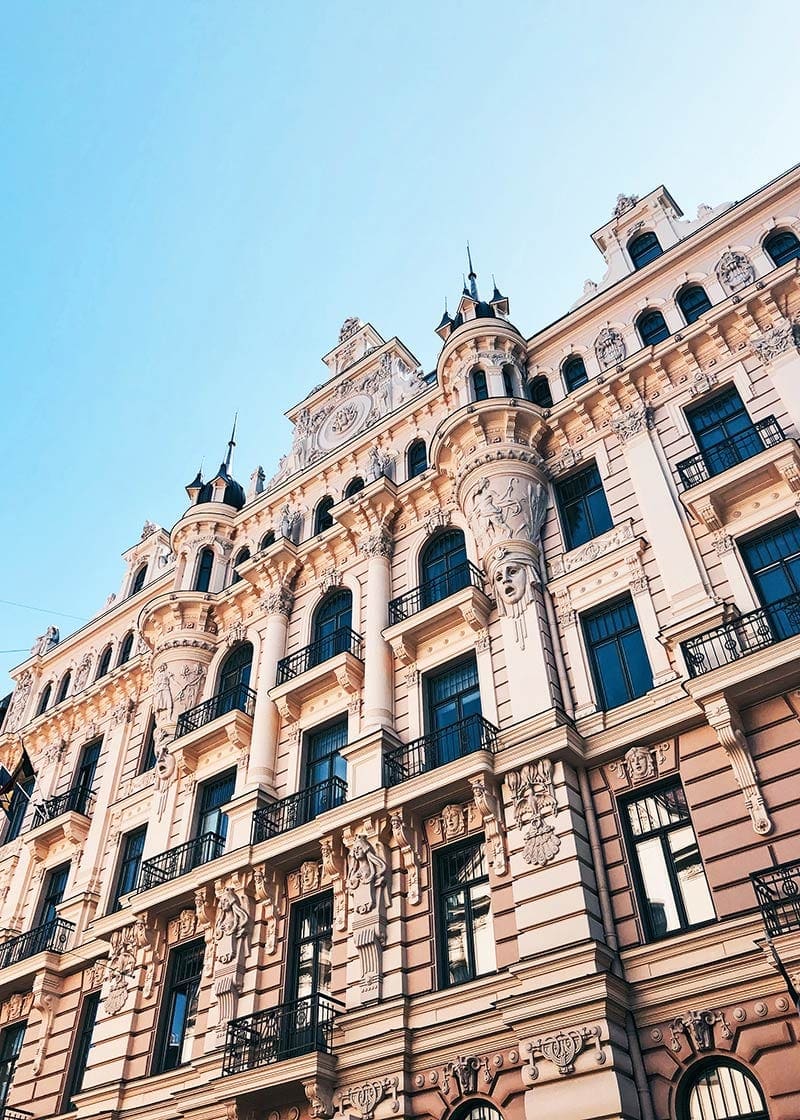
(277, 605)
(378, 663)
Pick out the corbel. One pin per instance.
(45, 991)
(723, 716)
(489, 805)
(407, 838)
(333, 869)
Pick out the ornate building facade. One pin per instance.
(453, 772)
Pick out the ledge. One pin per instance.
(234, 727)
(469, 605)
(343, 669)
(752, 676)
(70, 826)
(712, 503)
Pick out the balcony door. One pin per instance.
(453, 701)
(84, 776)
(773, 561)
(54, 886)
(308, 974)
(333, 622)
(324, 763)
(10, 1046)
(443, 567)
(724, 432)
(214, 794)
(234, 677)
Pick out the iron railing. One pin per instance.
(15, 1114)
(744, 445)
(239, 698)
(299, 808)
(75, 800)
(302, 1026)
(343, 640)
(474, 733)
(778, 896)
(434, 590)
(180, 861)
(748, 633)
(51, 937)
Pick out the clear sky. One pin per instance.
(195, 195)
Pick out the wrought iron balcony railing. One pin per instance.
(748, 633)
(302, 1026)
(75, 800)
(434, 591)
(15, 1114)
(778, 895)
(239, 698)
(474, 733)
(50, 937)
(729, 452)
(343, 640)
(181, 860)
(297, 809)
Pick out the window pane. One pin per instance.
(456, 936)
(691, 876)
(611, 680)
(483, 930)
(636, 663)
(662, 911)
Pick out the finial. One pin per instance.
(231, 444)
(473, 287)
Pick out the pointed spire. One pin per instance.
(473, 277)
(231, 444)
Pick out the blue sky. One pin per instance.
(195, 195)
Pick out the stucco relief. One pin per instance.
(270, 891)
(364, 1099)
(503, 508)
(515, 576)
(633, 422)
(534, 799)
(226, 945)
(596, 548)
(408, 843)
(562, 1049)
(624, 203)
(489, 805)
(609, 346)
(45, 642)
(19, 702)
(776, 341)
(641, 764)
(367, 886)
(735, 270)
(698, 1028)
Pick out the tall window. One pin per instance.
(643, 249)
(480, 388)
(44, 699)
(466, 936)
(55, 884)
(354, 486)
(333, 620)
(583, 506)
(126, 649)
(693, 302)
(242, 556)
(416, 458)
(724, 432)
(104, 664)
(322, 515)
(149, 749)
(539, 392)
(443, 567)
(10, 1046)
(773, 560)
(129, 864)
(84, 775)
(668, 872)
(179, 1006)
(508, 381)
(453, 703)
(236, 668)
(267, 539)
(63, 688)
(308, 972)
(205, 565)
(574, 373)
(652, 327)
(137, 583)
(214, 794)
(619, 662)
(720, 1089)
(82, 1048)
(782, 246)
(17, 806)
(324, 763)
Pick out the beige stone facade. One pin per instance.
(436, 768)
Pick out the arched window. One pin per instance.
(480, 389)
(322, 515)
(267, 539)
(137, 582)
(126, 649)
(332, 629)
(234, 674)
(416, 458)
(63, 688)
(574, 373)
(104, 664)
(508, 381)
(443, 567)
(44, 699)
(354, 486)
(651, 327)
(205, 566)
(477, 1110)
(539, 392)
(643, 249)
(720, 1090)
(242, 556)
(693, 302)
(782, 246)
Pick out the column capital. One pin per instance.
(379, 543)
(278, 600)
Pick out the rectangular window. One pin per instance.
(773, 560)
(670, 880)
(466, 935)
(82, 1049)
(214, 794)
(18, 806)
(129, 865)
(724, 432)
(583, 506)
(10, 1046)
(620, 668)
(179, 1006)
(148, 760)
(52, 894)
(84, 775)
(453, 710)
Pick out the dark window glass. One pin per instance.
(179, 1007)
(311, 941)
(773, 561)
(643, 249)
(138, 580)
(453, 695)
(204, 568)
(242, 556)
(104, 664)
(652, 328)
(508, 382)
(63, 688)
(478, 1110)
(782, 246)
(671, 883)
(574, 373)
(236, 668)
(149, 750)
(479, 385)
(126, 649)
(720, 1090)
(213, 794)
(619, 662)
(55, 884)
(129, 864)
(416, 458)
(82, 1048)
(323, 760)
(354, 486)
(84, 775)
(322, 516)
(583, 506)
(17, 807)
(443, 567)
(333, 620)
(693, 302)
(466, 936)
(539, 392)
(10, 1046)
(268, 539)
(724, 432)
(44, 699)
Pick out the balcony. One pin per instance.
(438, 748)
(336, 660)
(746, 634)
(434, 591)
(730, 452)
(299, 808)
(76, 800)
(180, 861)
(15, 1114)
(237, 699)
(455, 598)
(52, 937)
(304, 1026)
(778, 896)
(344, 640)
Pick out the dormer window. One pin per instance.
(782, 246)
(643, 249)
(652, 327)
(574, 373)
(137, 583)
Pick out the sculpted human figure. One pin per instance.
(229, 927)
(366, 872)
(163, 700)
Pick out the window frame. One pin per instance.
(45, 696)
(570, 384)
(480, 384)
(651, 237)
(9, 1057)
(123, 859)
(204, 570)
(125, 649)
(604, 607)
(415, 469)
(652, 314)
(562, 505)
(322, 515)
(139, 580)
(476, 841)
(772, 236)
(195, 946)
(49, 898)
(692, 286)
(540, 381)
(204, 790)
(81, 1049)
